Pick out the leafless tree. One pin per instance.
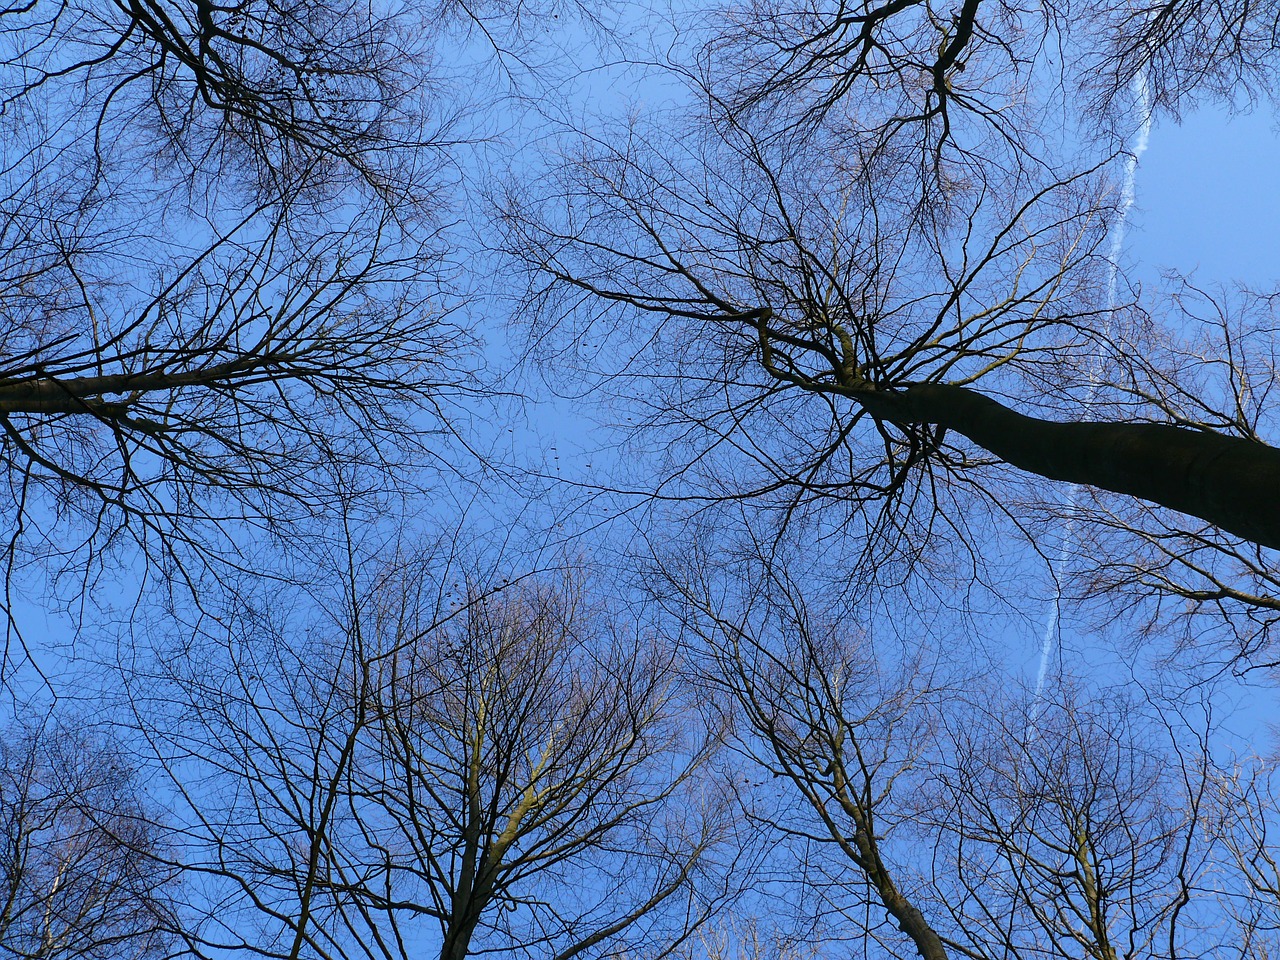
(941, 72)
(441, 765)
(671, 243)
(1077, 824)
(223, 284)
(528, 743)
(1245, 815)
(277, 96)
(948, 812)
(742, 251)
(83, 859)
(1205, 361)
(858, 281)
(729, 940)
(845, 730)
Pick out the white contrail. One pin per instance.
(1142, 99)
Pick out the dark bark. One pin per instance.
(457, 940)
(913, 923)
(866, 854)
(1230, 482)
(84, 394)
(910, 919)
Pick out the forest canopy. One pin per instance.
(562, 480)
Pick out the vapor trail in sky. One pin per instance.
(1142, 101)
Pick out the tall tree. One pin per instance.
(927, 806)
(84, 859)
(430, 763)
(843, 728)
(527, 742)
(865, 204)
(222, 273)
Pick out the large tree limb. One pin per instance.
(85, 394)
(1230, 482)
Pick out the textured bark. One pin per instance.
(910, 919)
(913, 923)
(1230, 482)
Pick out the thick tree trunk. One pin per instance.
(913, 923)
(457, 939)
(1232, 483)
(85, 394)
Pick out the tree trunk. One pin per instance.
(1230, 482)
(457, 939)
(84, 394)
(912, 922)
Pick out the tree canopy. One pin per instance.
(566, 481)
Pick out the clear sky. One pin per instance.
(1208, 199)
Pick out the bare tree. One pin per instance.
(945, 811)
(439, 766)
(528, 742)
(844, 729)
(279, 96)
(730, 940)
(1076, 824)
(1203, 360)
(757, 253)
(879, 79)
(861, 204)
(670, 243)
(83, 859)
(782, 58)
(1244, 815)
(942, 73)
(223, 284)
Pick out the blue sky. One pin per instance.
(1208, 198)
(1207, 204)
